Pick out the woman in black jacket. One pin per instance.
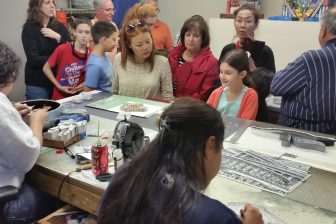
(41, 34)
(246, 21)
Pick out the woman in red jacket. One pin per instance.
(234, 98)
(193, 65)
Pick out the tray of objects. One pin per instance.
(65, 133)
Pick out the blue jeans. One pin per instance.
(38, 92)
(31, 205)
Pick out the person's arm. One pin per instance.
(29, 39)
(47, 32)
(268, 59)
(251, 215)
(166, 84)
(291, 79)
(22, 108)
(92, 77)
(249, 105)
(48, 72)
(214, 97)
(79, 88)
(87, 89)
(22, 148)
(208, 83)
(115, 79)
(37, 119)
(61, 36)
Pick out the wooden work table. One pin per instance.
(296, 207)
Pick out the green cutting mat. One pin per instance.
(45, 149)
(116, 100)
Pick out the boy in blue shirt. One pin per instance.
(99, 66)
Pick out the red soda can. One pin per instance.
(99, 159)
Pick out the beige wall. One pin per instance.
(12, 17)
(175, 12)
(271, 7)
(287, 39)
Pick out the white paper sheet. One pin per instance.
(149, 110)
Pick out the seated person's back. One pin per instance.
(162, 183)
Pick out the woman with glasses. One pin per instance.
(41, 34)
(105, 12)
(163, 183)
(192, 63)
(138, 71)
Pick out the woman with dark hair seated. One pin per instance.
(192, 63)
(163, 182)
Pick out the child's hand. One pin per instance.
(67, 89)
(79, 88)
(47, 32)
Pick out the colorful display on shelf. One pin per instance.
(232, 5)
(305, 8)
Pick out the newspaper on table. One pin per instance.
(266, 172)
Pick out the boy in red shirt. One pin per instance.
(70, 62)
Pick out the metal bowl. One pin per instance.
(55, 108)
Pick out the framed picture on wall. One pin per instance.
(305, 8)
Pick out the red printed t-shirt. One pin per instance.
(70, 70)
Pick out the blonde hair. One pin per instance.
(139, 11)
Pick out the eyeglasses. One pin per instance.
(157, 10)
(110, 10)
(131, 27)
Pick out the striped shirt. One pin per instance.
(308, 90)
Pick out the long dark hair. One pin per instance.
(161, 184)
(250, 7)
(238, 59)
(196, 22)
(34, 13)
